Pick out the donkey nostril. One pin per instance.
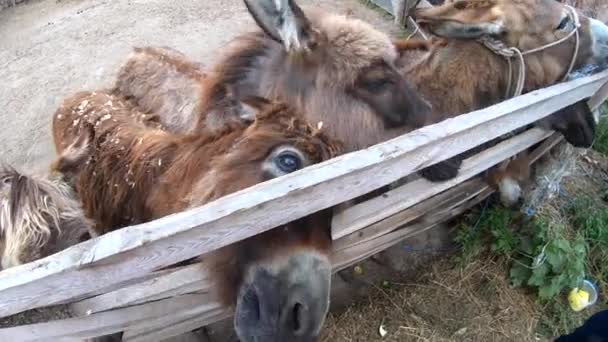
(251, 303)
(298, 318)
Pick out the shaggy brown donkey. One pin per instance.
(278, 281)
(460, 74)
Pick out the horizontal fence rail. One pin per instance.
(117, 282)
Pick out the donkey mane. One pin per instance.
(39, 216)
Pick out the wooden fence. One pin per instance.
(113, 282)
(124, 280)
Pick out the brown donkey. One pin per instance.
(278, 281)
(460, 74)
(335, 69)
(40, 216)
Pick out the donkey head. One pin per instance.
(38, 217)
(339, 70)
(279, 281)
(526, 25)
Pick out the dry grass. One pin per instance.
(447, 303)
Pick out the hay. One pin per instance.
(447, 303)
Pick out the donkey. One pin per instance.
(336, 69)
(163, 81)
(278, 281)
(459, 74)
(40, 216)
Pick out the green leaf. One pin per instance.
(579, 248)
(519, 274)
(561, 244)
(555, 259)
(548, 292)
(553, 288)
(539, 274)
(525, 245)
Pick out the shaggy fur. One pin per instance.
(464, 85)
(342, 74)
(597, 9)
(137, 173)
(472, 77)
(39, 216)
(163, 81)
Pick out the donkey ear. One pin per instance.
(463, 19)
(251, 106)
(75, 155)
(283, 21)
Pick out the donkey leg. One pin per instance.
(442, 171)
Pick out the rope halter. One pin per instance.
(499, 48)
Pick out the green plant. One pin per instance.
(590, 218)
(543, 257)
(488, 228)
(557, 318)
(601, 133)
(555, 265)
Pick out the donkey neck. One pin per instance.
(460, 77)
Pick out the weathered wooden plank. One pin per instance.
(108, 322)
(188, 279)
(180, 323)
(357, 252)
(135, 251)
(364, 214)
(462, 192)
(599, 97)
(465, 190)
(174, 325)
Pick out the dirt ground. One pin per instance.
(52, 48)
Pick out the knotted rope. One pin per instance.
(499, 48)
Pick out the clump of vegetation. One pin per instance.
(601, 137)
(545, 255)
(542, 255)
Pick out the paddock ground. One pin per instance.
(51, 48)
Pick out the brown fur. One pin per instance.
(329, 82)
(163, 81)
(39, 216)
(461, 75)
(137, 173)
(597, 9)
(464, 85)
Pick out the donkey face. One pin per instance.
(575, 122)
(279, 281)
(38, 217)
(338, 70)
(526, 25)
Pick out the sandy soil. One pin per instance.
(52, 48)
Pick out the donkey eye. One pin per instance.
(564, 23)
(288, 162)
(377, 85)
(6, 180)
